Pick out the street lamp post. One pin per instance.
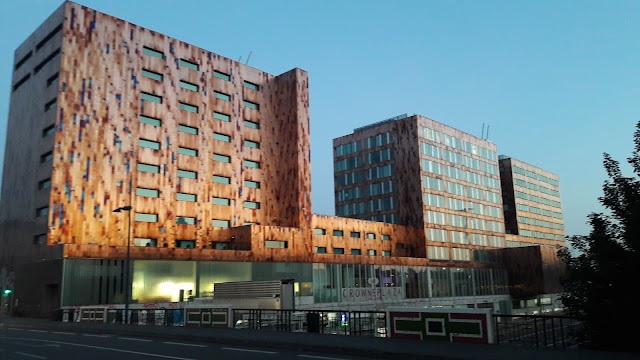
(127, 286)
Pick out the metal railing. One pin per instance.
(541, 331)
(162, 317)
(355, 323)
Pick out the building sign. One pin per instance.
(372, 294)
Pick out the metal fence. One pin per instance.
(163, 317)
(358, 323)
(541, 331)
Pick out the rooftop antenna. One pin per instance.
(487, 133)
(482, 137)
(248, 57)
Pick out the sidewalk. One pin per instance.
(375, 348)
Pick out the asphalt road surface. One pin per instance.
(21, 344)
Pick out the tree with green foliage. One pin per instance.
(602, 279)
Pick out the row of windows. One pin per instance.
(460, 190)
(340, 251)
(538, 199)
(536, 222)
(193, 66)
(385, 218)
(194, 108)
(188, 174)
(456, 143)
(382, 204)
(40, 65)
(442, 253)
(371, 173)
(536, 176)
(191, 220)
(459, 174)
(194, 130)
(457, 158)
(459, 237)
(440, 201)
(440, 218)
(535, 210)
(370, 158)
(540, 235)
(536, 187)
(155, 145)
(348, 148)
(377, 140)
(352, 234)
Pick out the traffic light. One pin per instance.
(7, 292)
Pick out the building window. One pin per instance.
(188, 129)
(252, 164)
(186, 244)
(221, 179)
(152, 75)
(356, 252)
(319, 231)
(48, 156)
(320, 250)
(386, 253)
(371, 236)
(221, 158)
(185, 220)
(44, 62)
(221, 137)
(276, 244)
(52, 79)
(251, 205)
(221, 96)
(221, 201)
(147, 192)
(338, 251)
(385, 237)
(189, 64)
(220, 223)
(189, 86)
(188, 107)
(153, 52)
(338, 233)
(150, 120)
(251, 124)
(438, 252)
(150, 98)
(221, 75)
(44, 184)
(250, 85)
(51, 105)
(49, 130)
(251, 105)
(20, 82)
(187, 151)
(221, 116)
(186, 197)
(146, 242)
(42, 212)
(220, 245)
(252, 184)
(187, 174)
(372, 252)
(23, 60)
(148, 168)
(40, 239)
(355, 234)
(252, 144)
(146, 217)
(149, 144)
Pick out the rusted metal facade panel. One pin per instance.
(102, 142)
(534, 210)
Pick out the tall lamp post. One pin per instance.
(127, 286)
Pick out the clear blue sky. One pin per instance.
(557, 81)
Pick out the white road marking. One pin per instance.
(37, 345)
(105, 348)
(33, 356)
(134, 339)
(94, 335)
(321, 357)
(62, 332)
(37, 330)
(177, 343)
(249, 350)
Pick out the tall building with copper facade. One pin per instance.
(208, 161)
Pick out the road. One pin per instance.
(22, 344)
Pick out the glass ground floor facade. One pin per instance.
(102, 281)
